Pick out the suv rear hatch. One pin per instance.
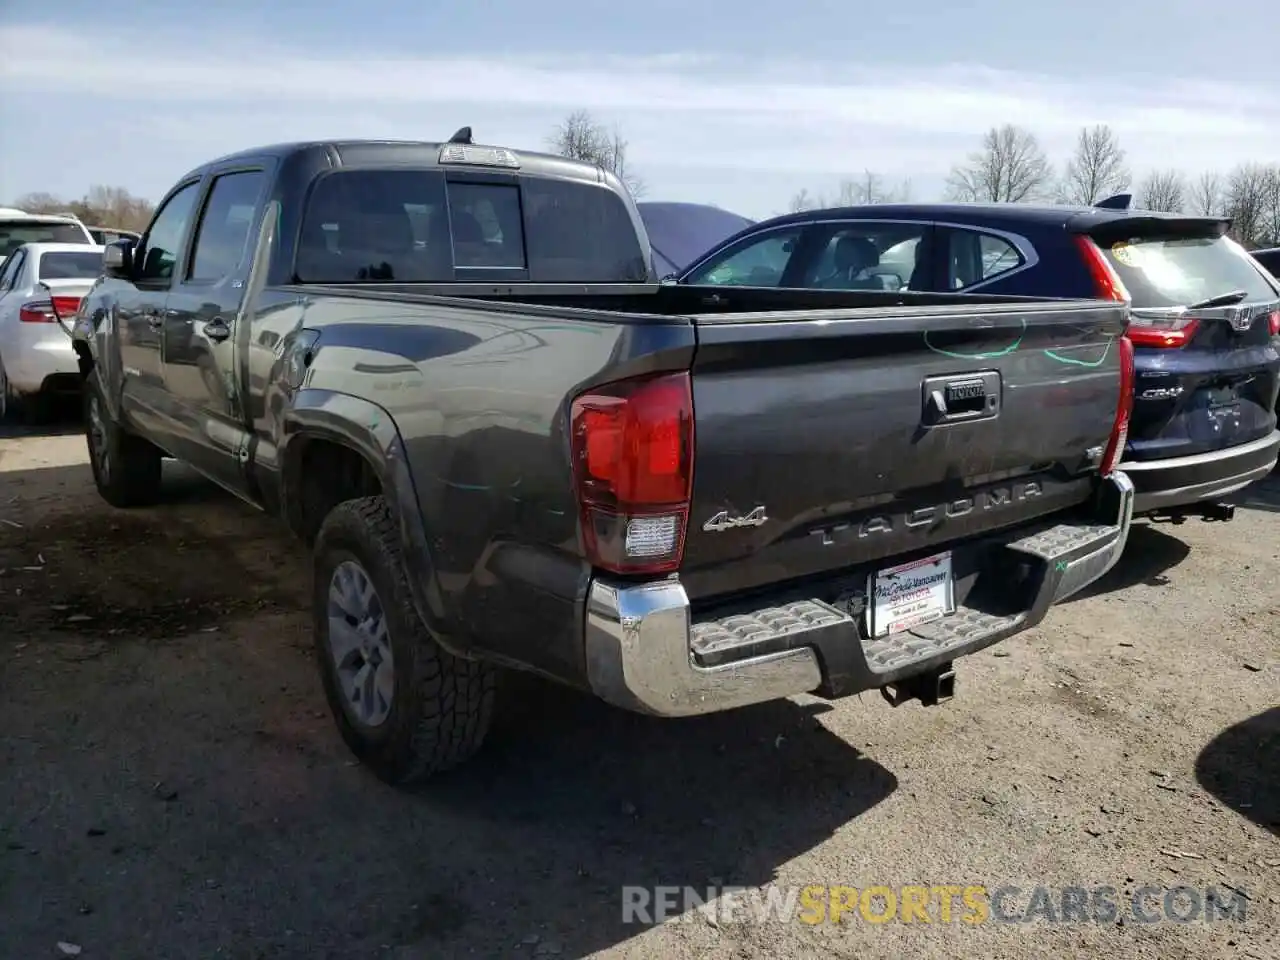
(1203, 324)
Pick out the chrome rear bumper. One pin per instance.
(642, 646)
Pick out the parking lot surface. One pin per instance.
(173, 786)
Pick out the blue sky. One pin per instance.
(740, 104)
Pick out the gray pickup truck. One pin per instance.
(452, 371)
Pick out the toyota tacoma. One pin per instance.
(451, 369)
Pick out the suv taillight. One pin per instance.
(1273, 323)
(1106, 281)
(632, 448)
(1163, 331)
(1124, 408)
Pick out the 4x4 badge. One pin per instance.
(722, 521)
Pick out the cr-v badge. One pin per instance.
(722, 521)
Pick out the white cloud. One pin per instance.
(685, 114)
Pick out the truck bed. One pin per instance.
(816, 410)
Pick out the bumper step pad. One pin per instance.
(1071, 553)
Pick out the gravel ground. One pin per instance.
(172, 785)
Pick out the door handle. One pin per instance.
(216, 329)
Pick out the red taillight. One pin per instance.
(632, 446)
(42, 311)
(1124, 408)
(1273, 323)
(1176, 333)
(1106, 281)
(37, 311)
(66, 306)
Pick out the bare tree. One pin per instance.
(1271, 206)
(1206, 194)
(581, 137)
(804, 201)
(101, 206)
(870, 188)
(40, 202)
(1245, 202)
(1164, 191)
(1097, 169)
(1010, 167)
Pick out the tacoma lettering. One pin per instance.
(996, 498)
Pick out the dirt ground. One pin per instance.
(171, 785)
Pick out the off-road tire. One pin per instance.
(132, 476)
(442, 705)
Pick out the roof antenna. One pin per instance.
(462, 136)
(1120, 201)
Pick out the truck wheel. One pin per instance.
(126, 468)
(405, 707)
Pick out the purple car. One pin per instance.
(679, 232)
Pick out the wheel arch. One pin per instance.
(335, 447)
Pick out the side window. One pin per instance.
(870, 255)
(974, 258)
(223, 231)
(760, 263)
(6, 272)
(164, 237)
(12, 270)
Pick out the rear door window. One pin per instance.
(974, 257)
(223, 231)
(413, 226)
(69, 265)
(1172, 272)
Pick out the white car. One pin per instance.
(36, 358)
(18, 227)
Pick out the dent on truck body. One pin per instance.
(462, 411)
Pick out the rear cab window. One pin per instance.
(69, 265)
(1179, 271)
(14, 233)
(417, 226)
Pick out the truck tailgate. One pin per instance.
(826, 441)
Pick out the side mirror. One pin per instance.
(117, 259)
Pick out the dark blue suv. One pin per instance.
(1205, 316)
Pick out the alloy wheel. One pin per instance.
(360, 645)
(98, 447)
